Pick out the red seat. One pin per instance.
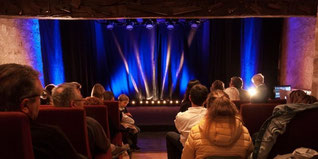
(254, 115)
(114, 117)
(301, 131)
(99, 113)
(280, 101)
(71, 121)
(15, 136)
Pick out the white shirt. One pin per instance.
(186, 120)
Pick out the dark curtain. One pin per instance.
(158, 63)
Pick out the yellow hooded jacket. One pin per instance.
(221, 141)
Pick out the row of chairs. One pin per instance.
(301, 131)
(16, 137)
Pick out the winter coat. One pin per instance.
(221, 141)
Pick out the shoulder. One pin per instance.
(45, 129)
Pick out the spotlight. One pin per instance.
(141, 102)
(195, 24)
(170, 25)
(147, 102)
(158, 101)
(171, 102)
(110, 26)
(252, 91)
(177, 102)
(152, 102)
(133, 102)
(164, 102)
(129, 27)
(149, 24)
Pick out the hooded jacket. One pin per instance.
(221, 141)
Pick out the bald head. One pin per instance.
(258, 79)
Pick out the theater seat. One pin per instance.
(99, 113)
(255, 114)
(71, 121)
(15, 136)
(114, 118)
(238, 103)
(301, 131)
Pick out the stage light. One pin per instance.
(164, 102)
(158, 101)
(252, 91)
(147, 102)
(149, 24)
(194, 25)
(133, 102)
(152, 102)
(129, 27)
(170, 27)
(141, 102)
(171, 102)
(177, 101)
(110, 26)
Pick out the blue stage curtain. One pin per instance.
(156, 63)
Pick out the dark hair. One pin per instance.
(309, 99)
(217, 84)
(198, 94)
(49, 88)
(191, 83)
(98, 91)
(108, 95)
(296, 96)
(93, 101)
(16, 82)
(237, 82)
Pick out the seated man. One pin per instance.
(68, 95)
(20, 91)
(237, 82)
(262, 92)
(186, 120)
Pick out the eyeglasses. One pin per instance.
(43, 95)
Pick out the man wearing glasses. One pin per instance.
(20, 90)
(68, 95)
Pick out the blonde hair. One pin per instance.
(220, 106)
(98, 91)
(123, 97)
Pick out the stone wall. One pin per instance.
(20, 42)
(298, 45)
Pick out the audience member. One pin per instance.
(299, 96)
(233, 93)
(20, 91)
(185, 104)
(186, 120)
(98, 91)
(108, 96)
(68, 95)
(262, 92)
(217, 85)
(48, 95)
(93, 101)
(237, 82)
(220, 133)
(128, 123)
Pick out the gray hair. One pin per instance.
(64, 94)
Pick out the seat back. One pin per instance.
(15, 136)
(100, 114)
(72, 122)
(279, 101)
(255, 114)
(238, 103)
(301, 131)
(223, 157)
(114, 119)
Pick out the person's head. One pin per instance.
(217, 84)
(108, 96)
(49, 88)
(258, 79)
(233, 93)
(309, 99)
(220, 107)
(191, 83)
(20, 89)
(236, 82)
(48, 91)
(67, 95)
(123, 100)
(296, 96)
(93, 101)
(97, 91)
(198, 95)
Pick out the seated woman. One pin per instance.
(220, 133)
